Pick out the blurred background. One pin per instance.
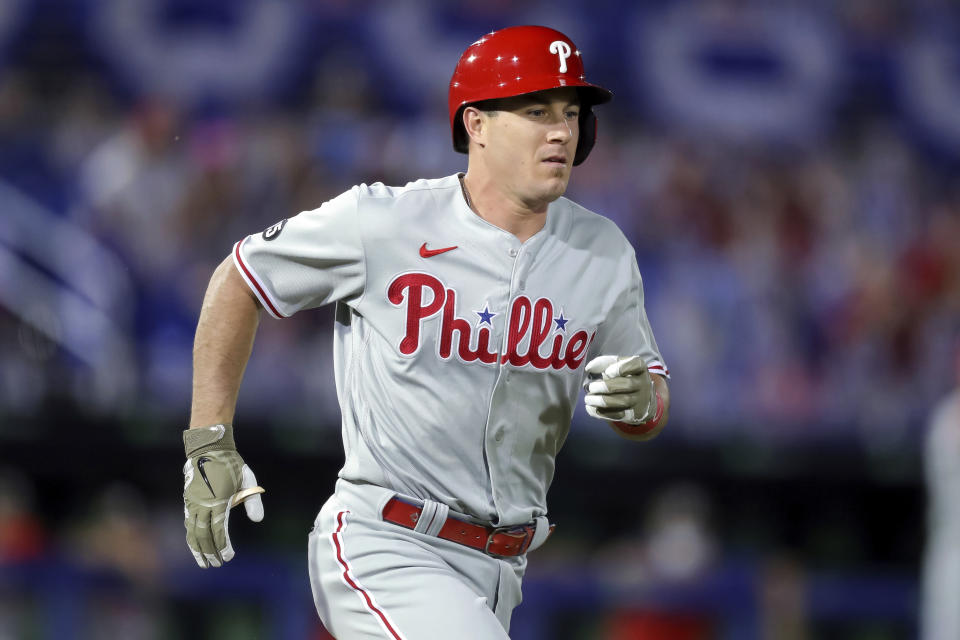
(787, 172)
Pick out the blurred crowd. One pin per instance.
(796, 218)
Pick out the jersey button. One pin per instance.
(512, 252)
(499, 436)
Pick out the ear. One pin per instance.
(475, 124)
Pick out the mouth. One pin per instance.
(555, 160)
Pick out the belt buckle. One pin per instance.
(526, 531)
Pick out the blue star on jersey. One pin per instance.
(561, 322)
(486, 316)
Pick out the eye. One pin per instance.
(572, 114)
(536, 113)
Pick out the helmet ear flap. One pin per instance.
(461, 141)
(588, 136)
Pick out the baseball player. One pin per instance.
(940, 585)
(469, 311)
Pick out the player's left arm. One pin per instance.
(626, 381)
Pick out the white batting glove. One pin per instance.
(620, 389)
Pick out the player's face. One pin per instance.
(531, 143)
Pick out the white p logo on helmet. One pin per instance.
(562, 49)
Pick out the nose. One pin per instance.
(560, 131)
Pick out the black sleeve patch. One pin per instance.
(270, 233)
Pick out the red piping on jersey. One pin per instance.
(253, 281)
(353, 585)
(659, 369)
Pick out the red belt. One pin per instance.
(496, 541)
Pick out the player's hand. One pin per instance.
(215, 479)
(620, 389)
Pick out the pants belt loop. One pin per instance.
(439, 519)
(540, 536)
(427, 516)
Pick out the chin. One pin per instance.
(545, 188)
(556, 187)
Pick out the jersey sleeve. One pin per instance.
(626, 331)
(308, 260)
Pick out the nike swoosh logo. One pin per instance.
(203, 474)
(429, 253)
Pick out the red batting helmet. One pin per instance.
(519, 60)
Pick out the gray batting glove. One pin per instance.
(215, 480)
(620, 389)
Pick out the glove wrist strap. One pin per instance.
(218, 437)
(644, 427)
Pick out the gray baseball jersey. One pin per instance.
(459, 350)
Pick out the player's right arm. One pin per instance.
(215, 476)
(222, 346)
(311, 259)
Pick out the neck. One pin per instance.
(489, 201)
